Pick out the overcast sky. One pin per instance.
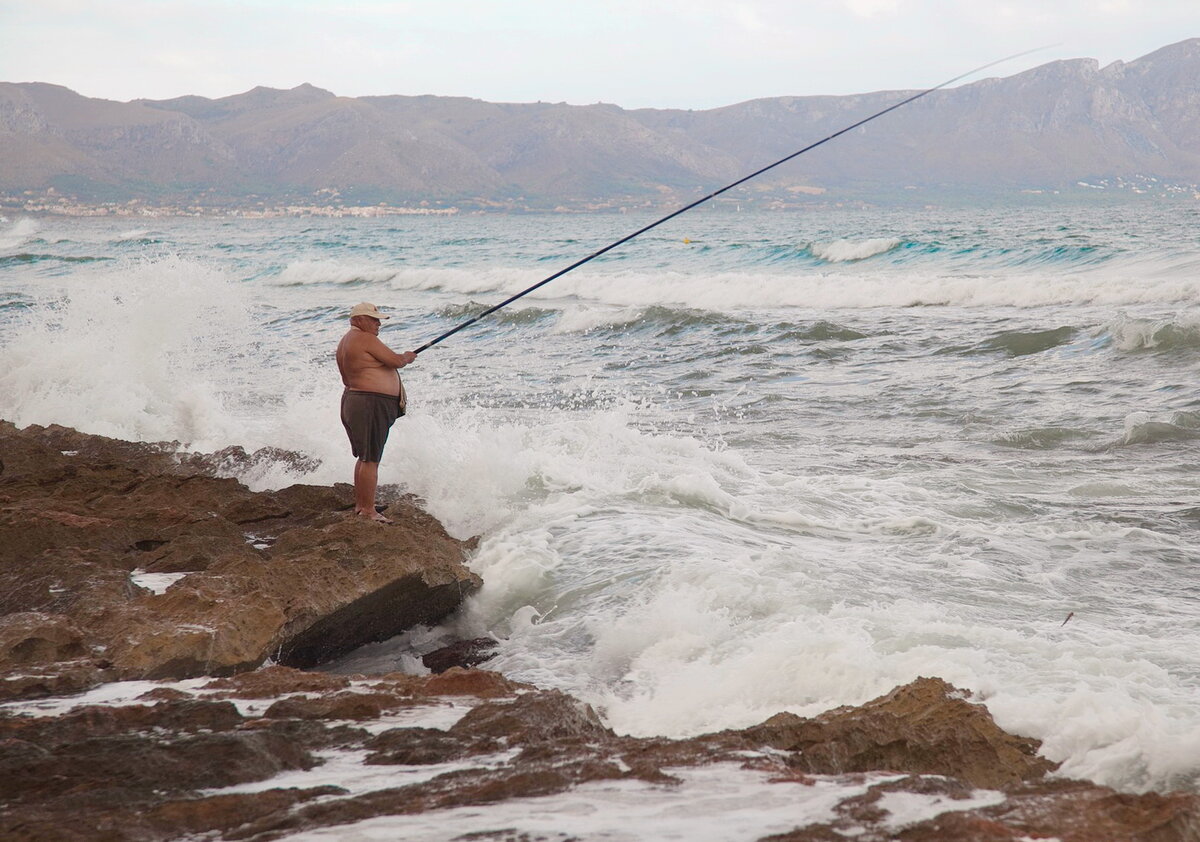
(634, 53)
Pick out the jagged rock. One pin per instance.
(35, 638)
(58, 679)
(235, 460)
(925, 727)
(339, 706)
(139, 772)
(1070, 811)
(273, 681)
(533, 718)
(271, 575)
(462, 653)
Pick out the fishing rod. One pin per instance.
(714, 194)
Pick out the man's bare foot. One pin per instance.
(373, 515)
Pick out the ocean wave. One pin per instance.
(843, 251)
(1020, 343)
(138, 237)
(1141, 428)
(834, 286)
(331, 272)
(1131, 335)
(141, 351)
(511, 316)
(26, 258)
(20, 232)
(1040, 438)
(821, 331)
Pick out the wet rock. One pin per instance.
(191, 553)
(481, 684)
(36, 638)
(124, 767)
(925, 727)
(57, 679)
(271, 682)
(425, 746)
(169, 820)
(338, 706)
(79, 514)
(462, 653)
(178, 716)
(235, 460)
(1070, 811)
(534, 717)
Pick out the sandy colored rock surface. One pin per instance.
(286, 575)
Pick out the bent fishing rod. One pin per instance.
(714, 194)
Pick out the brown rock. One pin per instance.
(481, 684)
(170, 820)
(36, 638)
(81, 724)
(461, 653)
(925, 727)
(1076, 811)
(272, 575)
(533, 717)
(127, 767)
(190, 553)
(355, 706)
(1070, 811)
(423, 746)
(273, 681)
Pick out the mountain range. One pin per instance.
(1063, 126)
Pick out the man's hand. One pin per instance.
(406, 357)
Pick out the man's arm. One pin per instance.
(387, 356)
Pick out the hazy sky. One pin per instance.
(635, 53)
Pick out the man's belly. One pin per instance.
(382, 382)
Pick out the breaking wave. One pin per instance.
(331, 272)
(1179, 334)
(18, 234)
(842, 251)
(1141, 428)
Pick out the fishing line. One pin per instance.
(716, 193)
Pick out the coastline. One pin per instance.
(158, 620)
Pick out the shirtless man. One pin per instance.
(372, 401)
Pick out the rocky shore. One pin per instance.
(159, 625)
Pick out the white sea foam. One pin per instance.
(717, 802)
(840, 251)
(323, 271)
(823, 289)
(909, 808)
(154, 582)
(17, 234)
(583, 319)
(138, 351)
(1132, 334)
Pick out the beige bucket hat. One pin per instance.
(365, 309)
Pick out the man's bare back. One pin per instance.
(365, 363)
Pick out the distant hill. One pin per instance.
(1134, 125)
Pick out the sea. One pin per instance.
(746, 463)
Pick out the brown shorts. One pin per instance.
(368, 418)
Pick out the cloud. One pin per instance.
(868, 9)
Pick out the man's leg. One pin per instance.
(366, 480)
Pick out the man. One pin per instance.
(372, 401)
